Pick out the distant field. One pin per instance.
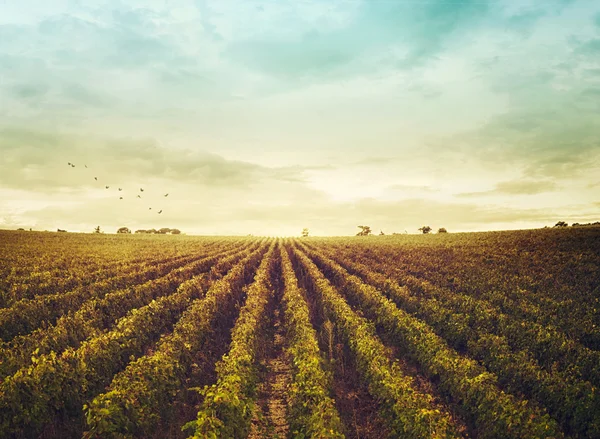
(482, 335)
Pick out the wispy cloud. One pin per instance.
(38, 161)
(516, 187)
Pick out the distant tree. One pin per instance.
(60, 230)
(561, 224)
(584, 224)
(442, 230)
(97, 230)
(163, 231)
(425, 229)
(305, 232)
(21, 228)
(381, 233)
(365, 231)
(175, 232)
(124, 230)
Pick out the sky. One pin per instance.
(266, 117)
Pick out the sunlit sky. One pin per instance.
(265, 117)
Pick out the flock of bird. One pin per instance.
(72, 165)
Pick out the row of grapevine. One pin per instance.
(143, 393)
(312, 412)
(491, 412)
(53, 389)
(551, 348)
(29, 270)
(28, 314)
(520, 283)
(228, 405)
(41, 283)
(408, 412)
(96, 314)
(466, 325)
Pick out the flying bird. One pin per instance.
(85, 166)
(160, 211)
(106, 187)
(120, 189)
(69, 163)
(166, 195)
(141, 189)
(96, 178)
(149, 208)
(72, 165)
(139, 196)
(120, 198)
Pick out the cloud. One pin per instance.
(362, 46)
(517, 187)
(407, 188)
(525, 21)
(38, 161)
(589, 48)
(264, 213)
(556, 142)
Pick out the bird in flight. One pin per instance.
(166, 195)
(160, 211)
(69, 163)
(96, 178)
(120, 189)
(141, 189)
(139, 196)
(72, 165)
(149, 208)
(120, 198)
(106, 187)
(85, 166)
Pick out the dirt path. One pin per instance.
(271, 408)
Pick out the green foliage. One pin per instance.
(151, 383)
(228, 405)
(364, 231)
(312, 410)
(63, 382)
(462, 378)
(407, 411)
(107, 333)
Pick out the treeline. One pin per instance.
(565, 224)
(366, 231)
(163, 231)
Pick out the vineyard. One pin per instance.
(480, 335)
